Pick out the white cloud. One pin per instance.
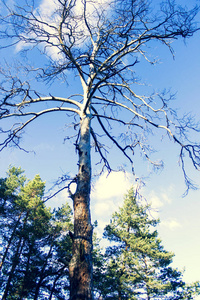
(47, 7)
(165, 197)
(113, 185)
(155, 204)
(155, 200)
(48, 13)
(92, 7)
(171, 224)
(43, 147)
(158, 199)
(45, 12)
(107, 196)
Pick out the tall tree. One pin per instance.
(35, 244)
(138, 266)
(100, 42)
(23, 221)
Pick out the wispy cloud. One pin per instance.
(43, 147)
(158, 199)
(113, 185)
(155, 200)
(47, 7)
(171, 224)
(107, 196)
(49, 11)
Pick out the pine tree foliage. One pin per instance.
(35, 246)
(138, 266)
(36, 249)
(99, 265)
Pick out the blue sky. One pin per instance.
(180, 221)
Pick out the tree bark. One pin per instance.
(80, 268)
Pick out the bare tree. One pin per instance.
(99, 42)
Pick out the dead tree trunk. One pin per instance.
(80, 269)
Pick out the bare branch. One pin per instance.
(98, 148)
(13, 132)
(102, 46)
(114, 140)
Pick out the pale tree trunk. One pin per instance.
(80, 268)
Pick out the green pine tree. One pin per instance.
(138, 266)
(35, 244)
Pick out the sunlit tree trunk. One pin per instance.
(80, 268)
